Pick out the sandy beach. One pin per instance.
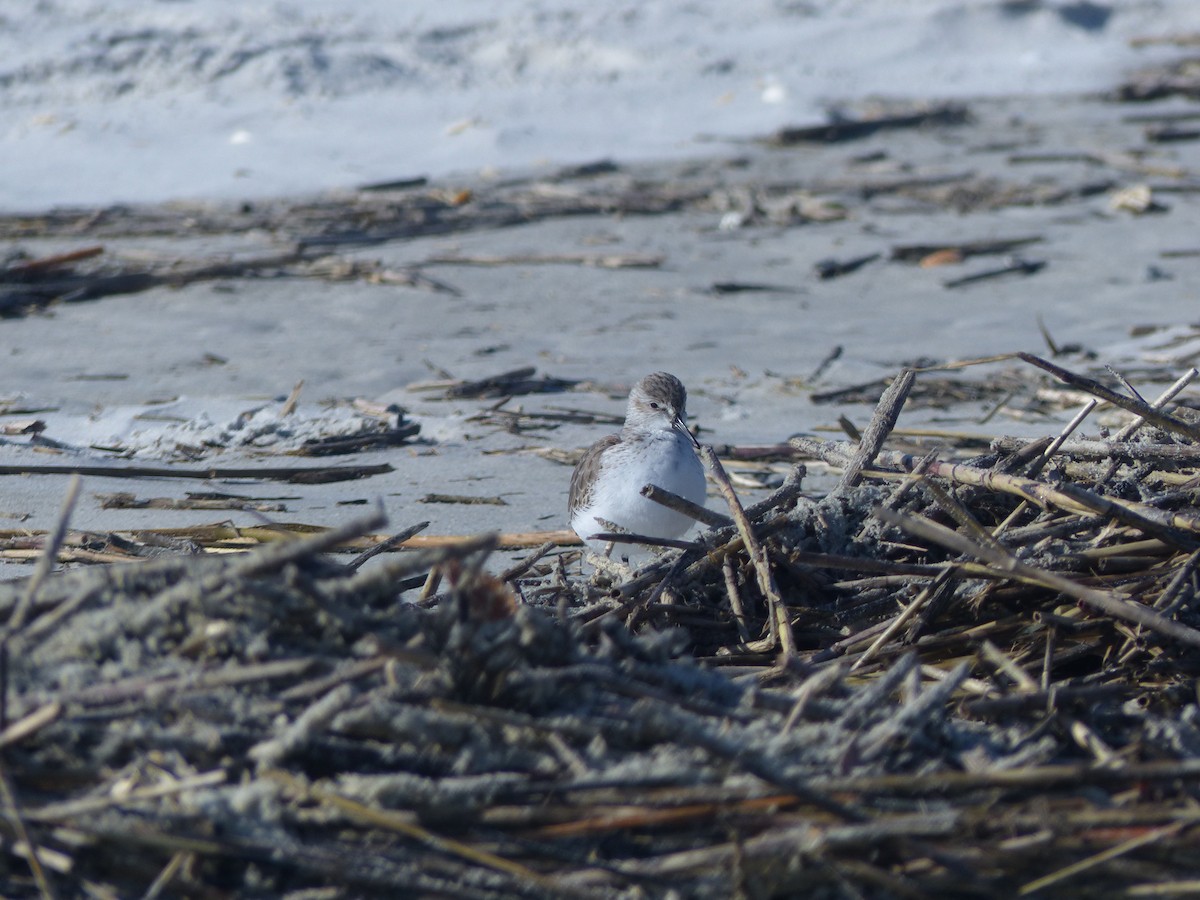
(722, 290)
(718, 286)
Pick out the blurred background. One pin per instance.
(107, 101)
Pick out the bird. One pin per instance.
(654, 447)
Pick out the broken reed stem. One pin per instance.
(1129, 430)
(1038, 464)
(178, 860)
(1165, 397)
(1044, 457)
(1129, 404)
(1104, 856)
(279, 554)
(63, 812)
(782, 497)
(1115, 605)
(959, 513)
(384, 546)
(887, 411)
(289, 405)
(903, 618)
(778, 620)
(1165, 603)
(735, 600)
(1083, 448)
(1005, 664)
(519, 569)
(395, 821)
(685, 507)
(1048, 656)
(47, 559)
(1068, 497)
(31, 723)
(1166, 600)
(45, 563)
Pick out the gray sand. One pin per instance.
(211, 350)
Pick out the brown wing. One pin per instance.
(584, 475)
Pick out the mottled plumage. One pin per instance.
(654, 447)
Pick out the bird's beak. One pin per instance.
(682, 426)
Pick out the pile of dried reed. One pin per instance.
(968, 677)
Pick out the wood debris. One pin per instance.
(953, 674)
(843, 127)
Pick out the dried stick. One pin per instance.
(44, 564)
(1167, 600)
(1004, 663)
(507, 540)
(275, 556)
(1129, 404)
(1043, 777)
(780, 627)
(782, 496)
(680, 726)
(1069, 497)
(1110, 604)
(1048, 656)
(902, 619)
(685, 507)
(519, 569)
(1128, 431)
(398, 822)
(296, 474)
(1094, 449)
(625, 537)
(820, 682)
(1038, 464)
(384, 546)
(735, 600)
(177, 861)
(1104, 856)
(887, 411)
(31, 723)
(1166, 396)
(74, 809)
(32, 266)
(289, 405)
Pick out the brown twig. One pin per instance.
(780, 625)
(1137, 407)
(1114, 605)
(685, 507)
(887, 411)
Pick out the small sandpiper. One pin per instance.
(655, 447)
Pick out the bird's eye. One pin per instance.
(654, 404)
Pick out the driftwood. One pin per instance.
(847, 128)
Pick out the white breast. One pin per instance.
(665, 459)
